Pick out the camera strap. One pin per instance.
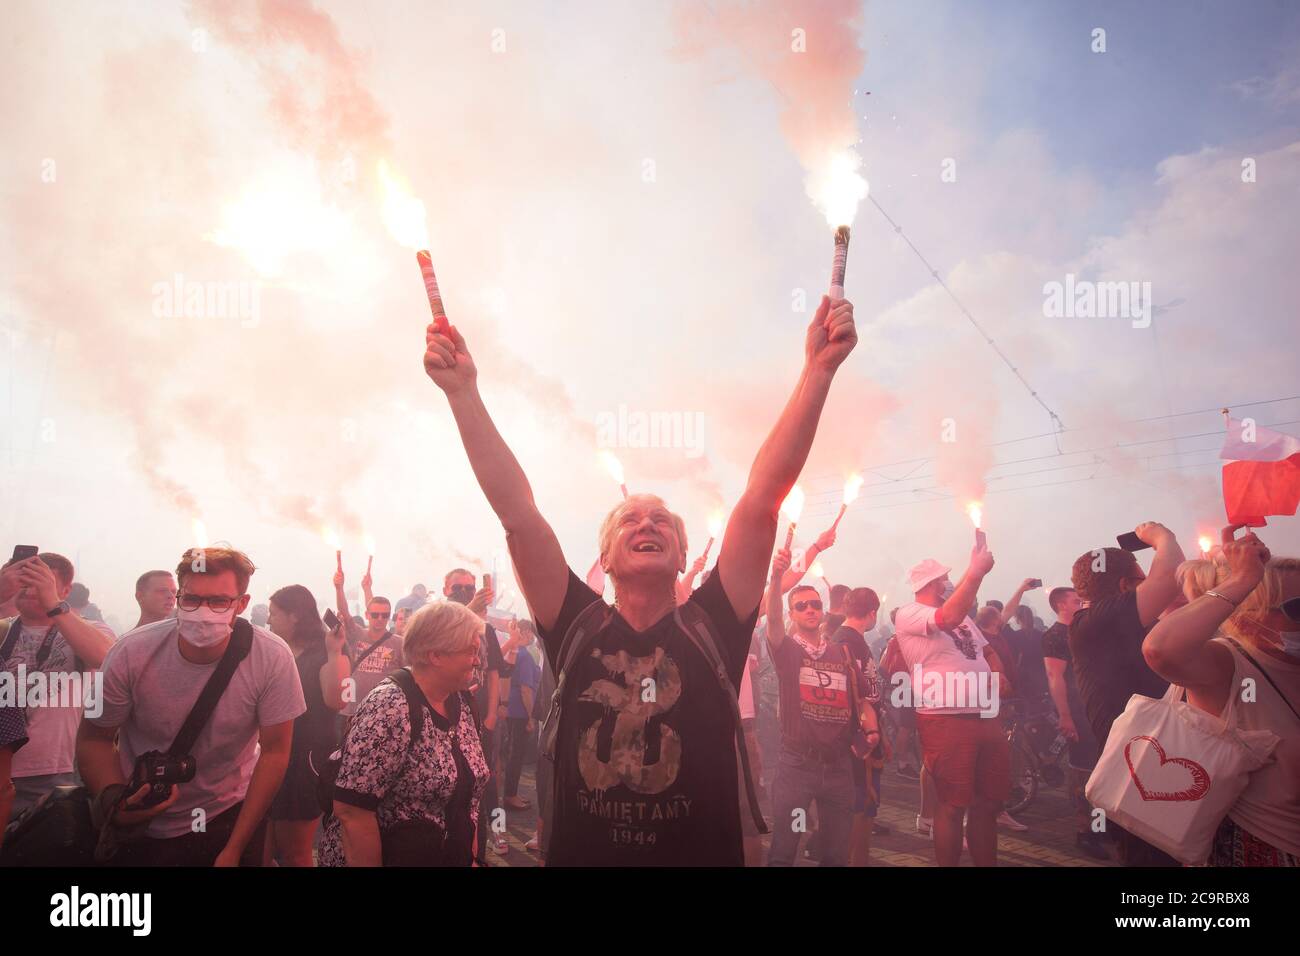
(241, 642)
(370, 650)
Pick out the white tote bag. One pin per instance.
(1170, 772)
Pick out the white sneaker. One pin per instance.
(924, 825)
(500, 845)
(533, 844)
(1011, 823)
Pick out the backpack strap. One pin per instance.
(11, 631)
(241, 642)
(695, 624)
(47, 645)
(404, 679)
(14, 630)
(582, 632)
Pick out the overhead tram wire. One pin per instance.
(1056, 419)
(934, 491)
(875, 469)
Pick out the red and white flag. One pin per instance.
(1262, 476)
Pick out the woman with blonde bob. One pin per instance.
(1235, 634)
(404, 799)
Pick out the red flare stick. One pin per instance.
(431, 287)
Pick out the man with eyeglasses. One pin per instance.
(152, 678)
(818, 693)
(376, 650)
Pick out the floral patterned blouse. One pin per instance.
(379, 773)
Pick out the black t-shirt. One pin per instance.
(1027, 653)
(645, 765)
(1056, 644)
(493, 660)
(1106, 645)
(816, 701)
(315, 730)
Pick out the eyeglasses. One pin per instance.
(192, 602)
(377, 615)
(804, 605)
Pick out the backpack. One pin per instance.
(328, 774)
(699, 630)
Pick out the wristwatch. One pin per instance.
(60, 608)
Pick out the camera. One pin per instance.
(160, 770)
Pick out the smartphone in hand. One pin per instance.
(1129, 541)
(24, 551)
(331, 619)
(1036, 583)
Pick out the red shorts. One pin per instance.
(968, 757)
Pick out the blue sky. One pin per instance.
(1164, 86)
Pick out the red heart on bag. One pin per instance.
(1200, 778)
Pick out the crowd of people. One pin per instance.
(675, 726)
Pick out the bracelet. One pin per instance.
(1231, 602)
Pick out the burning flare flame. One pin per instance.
(816, 569)
(200, 533)
(715, 524)
(976, 511)
(403, 214)
(370, 545)
(838, 188)
(612, 465)
(851, 488)
(792, 507)
(1205, 543)
(332, 539)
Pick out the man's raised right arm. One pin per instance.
(534, 548)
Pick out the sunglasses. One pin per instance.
(376, 615)
(804, 605)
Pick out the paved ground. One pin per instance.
(1049, 841)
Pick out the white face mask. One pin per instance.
(946, 593)
(205, 627)
(1290, 642)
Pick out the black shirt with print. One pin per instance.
(645, 766)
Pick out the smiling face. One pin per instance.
(456, 668)
(642, 539)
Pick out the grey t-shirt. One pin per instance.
(149, 689)
(377, 665)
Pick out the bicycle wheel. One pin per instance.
(1024, 775)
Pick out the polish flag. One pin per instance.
(1262, 476)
